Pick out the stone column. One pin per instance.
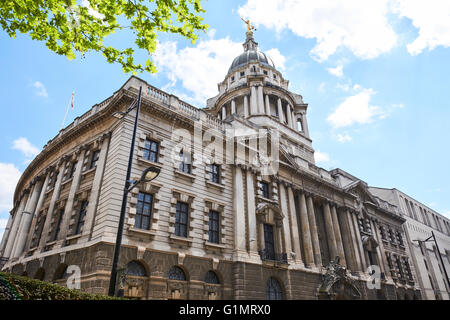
(306, 235)
(68, 209)
(233, 107)
(38, 208)
(337, 234)
(6, 235)
(19, 226)
(51, 207)
(380, 249)
(26, 219)
(224, 112)
(280, 110)
(289, 115)
(239, 210)
(89, 219)
(251, 212)
(305, 124)
(284, 209)
(313, 229)
(330, 231)
(347, 242)
(15, 227)
(359, 243)
(294, 226)
(253, 101)
(260, 100)
(353, 239)
(246, 111)
(267, 105)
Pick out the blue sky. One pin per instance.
(374, 73)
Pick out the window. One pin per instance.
(399, 266)
(135, 268)
(232, 78)
(383, 233)
(215, 173)
(391, 236)
(71, 171)
(242, 73)
(58, 224)
(81, 216)
(213, 233)
(265, 72)
(185, 162)
(269, 243)
(143, 211)
(399, 238)
(264, 187)
(39, 228)
(151, 150)
(181, 218)
(176, 273)
(275, 76)
(273, 290)
(94, 159)
(211, 277)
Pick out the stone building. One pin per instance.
(242, 224)
(420, 222)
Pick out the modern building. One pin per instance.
(421, 221)
(242, 224)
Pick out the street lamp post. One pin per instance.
(433, 238)
(148, 175)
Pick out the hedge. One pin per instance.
(13, 287)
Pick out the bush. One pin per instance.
(13, 287)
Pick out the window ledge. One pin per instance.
(88, 171)
(215, 245)
(185, 175)
(187, 241)
(76, 236)
(151, 163)
(66, 181)
(142, 231)
(51, 243)
(266, 199)
(214, 184)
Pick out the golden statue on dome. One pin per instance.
(249, 26)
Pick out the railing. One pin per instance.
(189, 110)
(156, 94)
(271, 256)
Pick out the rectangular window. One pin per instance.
(181, 219)
(399, 238)
(264, 187)
(242, 74)
(213, 232)
(269, 243)
(151, 150)
(38, 230)
(94, 159)
(185, 162)
(72, 169)
(383, 233)
(215, 173)
(143, 211)
(81, 216)
(58, 224)
(265, 72)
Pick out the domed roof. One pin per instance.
(251, 56)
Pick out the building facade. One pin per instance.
(420, 222)
(241, 224)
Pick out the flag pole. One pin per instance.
(67, 110)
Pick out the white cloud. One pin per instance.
(338, 71)
(41, 90)
(431, 17)
(3, 223)
(355, 109)
(201, 68)
(321, 157)
(23, 145)
(9, 175)
(360, 26)
(342, 138)
(91, 11)
(277, 58)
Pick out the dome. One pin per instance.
(251, 56)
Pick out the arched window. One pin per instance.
(176, 273)
(61, 272)
(135, 268)
(211, 277)
(273, 290)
